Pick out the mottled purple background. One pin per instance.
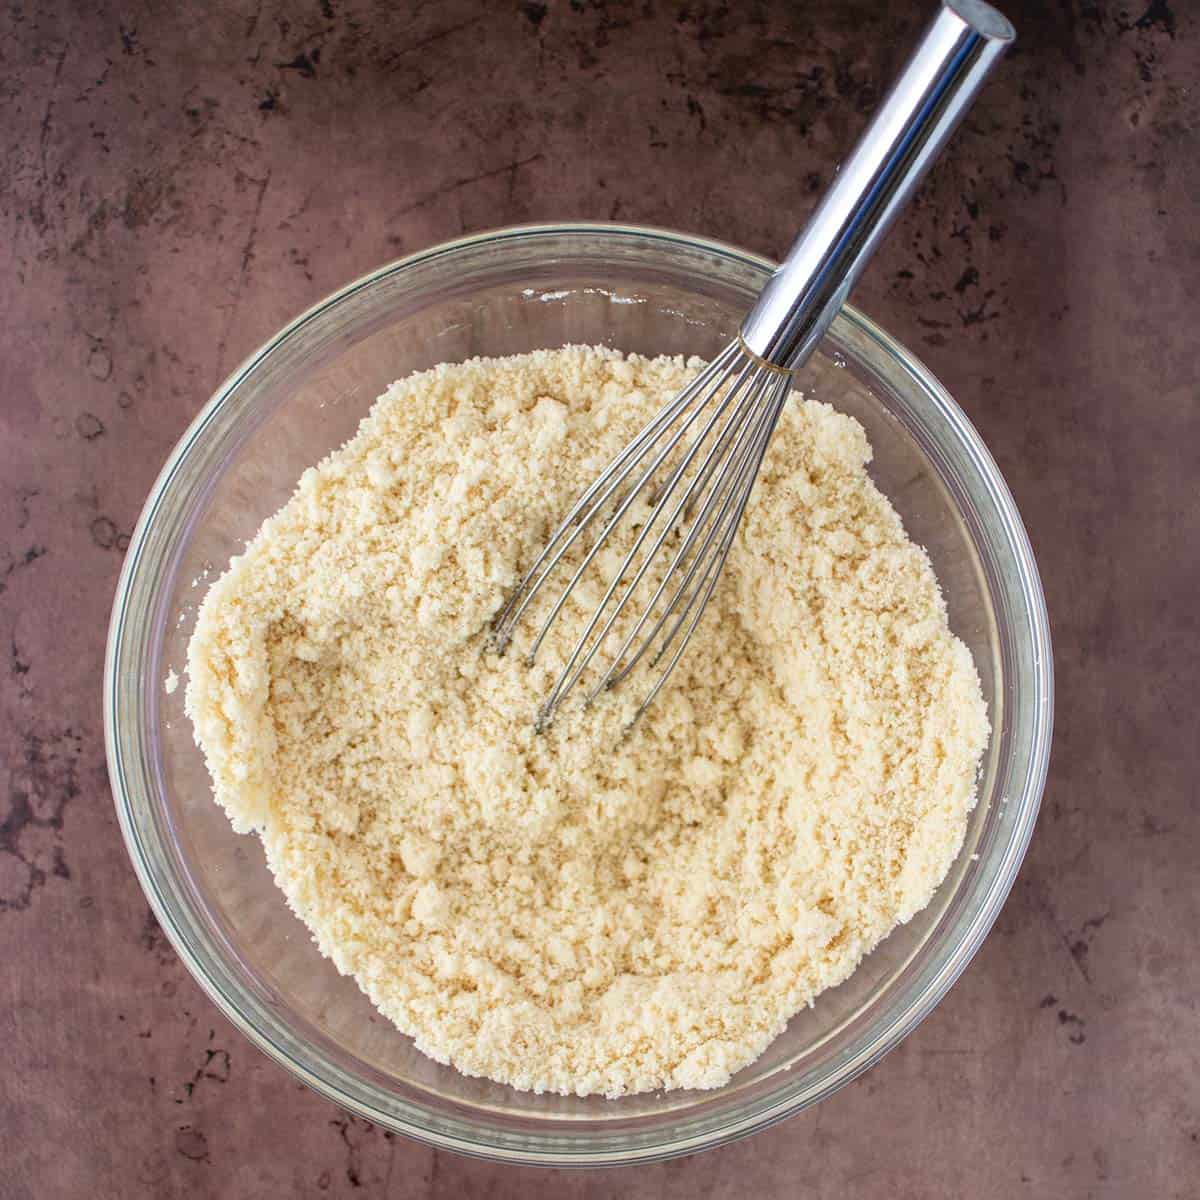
(179, 180)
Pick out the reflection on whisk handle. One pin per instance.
(939, 82)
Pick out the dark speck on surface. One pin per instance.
(191, 1143)
(968, 278)
(1158, 15)
(104, 533)
(1076, 1036)
(304, 63)
(535, 13)
(89, 426)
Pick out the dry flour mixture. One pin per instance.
(573, 911)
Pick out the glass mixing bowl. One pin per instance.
(303, 394)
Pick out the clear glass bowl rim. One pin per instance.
(561, 1146)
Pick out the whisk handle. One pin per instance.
(962, 43)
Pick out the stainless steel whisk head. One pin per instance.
(733, 403)
(698, 489)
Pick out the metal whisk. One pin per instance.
(697, 490)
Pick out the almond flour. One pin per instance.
(572, 911)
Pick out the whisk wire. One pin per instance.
(740, 426)
(744, 406)
(713, 573)
(622, 507)
(742, 399)
(734, 504)
(606, 483)
(742, 420)
(738, 483)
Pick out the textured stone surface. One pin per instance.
(178, 180)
